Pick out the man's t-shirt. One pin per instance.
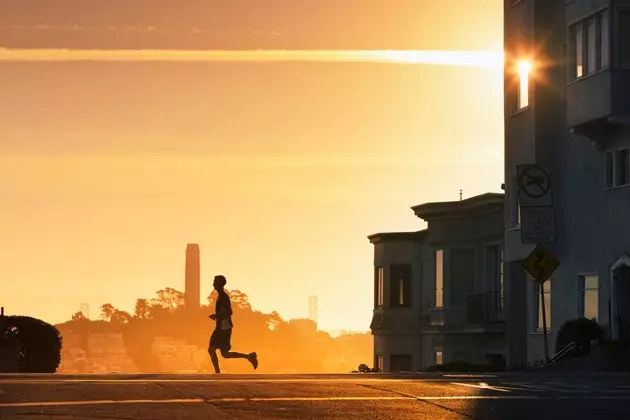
(223, 311)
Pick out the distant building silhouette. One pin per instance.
(85, 310)
(193, 275)
(312, 308)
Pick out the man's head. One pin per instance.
(219, 282)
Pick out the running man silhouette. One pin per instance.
(222, 335)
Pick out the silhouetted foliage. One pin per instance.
(38, 344)
(282, 346)
(581, 331)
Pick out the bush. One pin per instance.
(581, 331)
(39, 344)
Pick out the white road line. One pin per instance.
(573, 388)
(222, 381)
(296, 399)
(482, 385)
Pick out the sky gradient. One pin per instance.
(279, 169)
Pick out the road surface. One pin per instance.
(146, 396)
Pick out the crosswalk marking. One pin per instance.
(542, 387)
(482, 385)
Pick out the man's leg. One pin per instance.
(215, 359)
(251, 357)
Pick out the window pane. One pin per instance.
(523, 90)
(546, 300)
(579, 50)
(591, 45)
(621, 167)
(590, 282)
(623, 34)
(609, 170)
(401, 292)
(439, 278)
(591, 304)
(605, 40)
(378, 287)
(438, 358)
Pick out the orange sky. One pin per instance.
(279, 170)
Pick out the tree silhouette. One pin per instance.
(142, 309)
(78, 316)
(169, 298)
(266, 333)
(107, 310)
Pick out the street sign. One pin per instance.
(534, 186)
(540, 264)
(538, 225)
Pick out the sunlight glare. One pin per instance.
(447, 58)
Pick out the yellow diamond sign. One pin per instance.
(540, 264)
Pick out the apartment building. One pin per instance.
(438, 292)
(567, 107)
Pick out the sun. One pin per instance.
(524, 68)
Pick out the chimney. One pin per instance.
(192, 292)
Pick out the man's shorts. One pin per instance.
(221, 339)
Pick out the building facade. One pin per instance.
(567, 107)
(438, 293)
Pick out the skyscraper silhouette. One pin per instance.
(312, 308)
(193, 275)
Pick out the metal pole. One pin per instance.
(544, 319)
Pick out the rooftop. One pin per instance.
(397, 236)
(483, 203)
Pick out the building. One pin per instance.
(192, 292)
(567, 107)
(107, 353)
(438, 293)
(312, 308)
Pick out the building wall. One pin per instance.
(592, 225)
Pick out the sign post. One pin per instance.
(541, 264)
(535, 199)
(538, 226)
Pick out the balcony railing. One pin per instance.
(484, 308)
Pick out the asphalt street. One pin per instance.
(421, 396)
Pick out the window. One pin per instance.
(501, 280)
(617, 168)
(439, 359)
(623, 34)
(589, 44)
(546, 300)
(378, 362)
(524, 68)
(604, 40)
(494, 271)
(439, 278)
(400, 285)
(378, 287)
(589, 296)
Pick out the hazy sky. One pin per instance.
(279, 170)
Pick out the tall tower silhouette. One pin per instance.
(312, 308)
(192, 276)
(85, 310)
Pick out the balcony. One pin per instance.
(484, 309)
